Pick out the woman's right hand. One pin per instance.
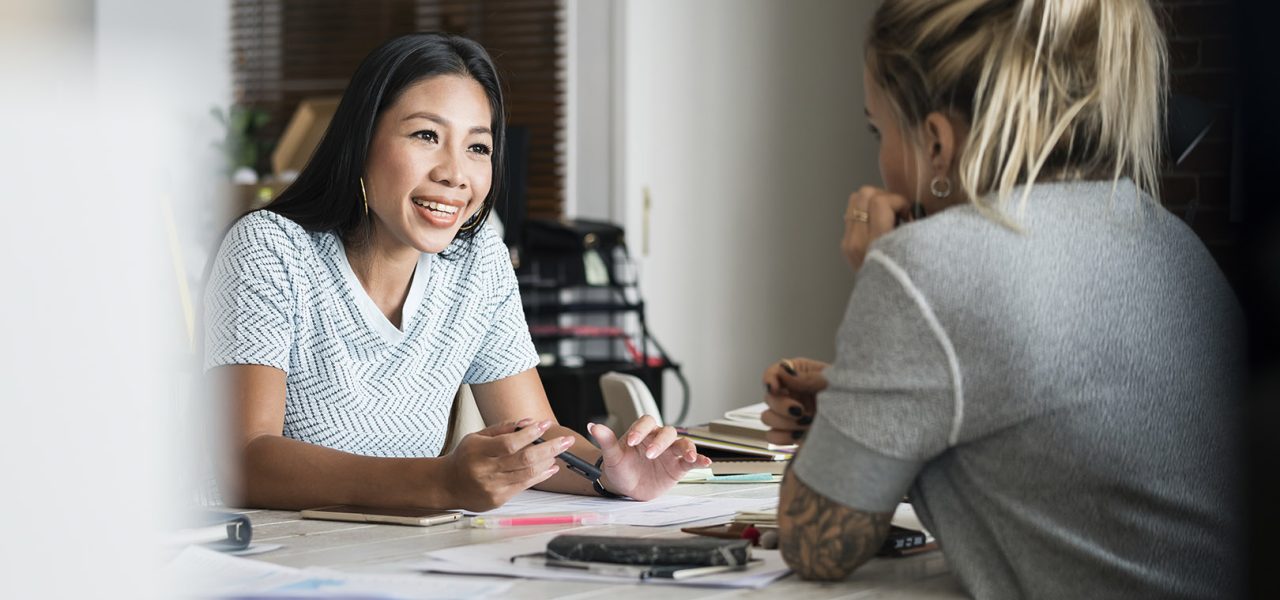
(792, 398)
(492, 465)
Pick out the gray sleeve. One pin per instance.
(891, 403)
(850, 473)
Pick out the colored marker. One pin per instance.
(496, 522)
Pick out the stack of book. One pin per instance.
(761, 519)
(736, 443)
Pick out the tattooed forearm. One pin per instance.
(823, 539)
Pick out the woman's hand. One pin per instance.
(494, 464)
(871, 213)
(792, 385)
(647, 461)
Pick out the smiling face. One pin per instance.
(429, 166)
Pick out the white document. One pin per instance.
(905, 516)
(200, 572)
(666, 510)
(254, 548)
(495, 559)
(748, 414)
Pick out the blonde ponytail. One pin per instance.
(1051, 89)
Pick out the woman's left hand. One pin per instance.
(871, 213)
(647, 461)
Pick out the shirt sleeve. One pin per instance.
(248, 302)
(893, 396)
(506, 349)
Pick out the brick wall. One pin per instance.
(1203, 66)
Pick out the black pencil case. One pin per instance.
(698, 551)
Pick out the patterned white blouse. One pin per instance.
(284, 297)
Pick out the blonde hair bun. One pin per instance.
(1051, 89)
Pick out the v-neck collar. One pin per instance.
(369, 310)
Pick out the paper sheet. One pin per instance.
(495, 559)
(255, 548)
(905, 516)
(200, 572)
(667, 510)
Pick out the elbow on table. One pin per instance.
(827, 555)
(808, 565)
(237, 485)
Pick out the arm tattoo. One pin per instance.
(823, 539)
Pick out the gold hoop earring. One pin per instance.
(364, 197)
(940, 187)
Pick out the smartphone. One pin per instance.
(418, 517)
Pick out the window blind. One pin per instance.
(284, 51)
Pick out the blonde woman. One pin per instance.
(1037, 352)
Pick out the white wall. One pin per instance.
(105, 120)
(744, 120)
(590, 122)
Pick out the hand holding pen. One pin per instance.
(791, 389)
(492, 465)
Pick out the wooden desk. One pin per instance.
(360, 547)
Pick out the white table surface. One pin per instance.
(364, 547)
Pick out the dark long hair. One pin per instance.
(326, 196)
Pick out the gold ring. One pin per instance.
(854, 214)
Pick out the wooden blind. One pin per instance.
(287, 50)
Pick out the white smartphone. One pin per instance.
(419, 517)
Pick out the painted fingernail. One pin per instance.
(795, 411)
(545, 425)
(524, 422)
(804, 420)
(566, 442)
(797, 434)
(633, 440)
(651, 453)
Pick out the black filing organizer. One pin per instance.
(585, 315)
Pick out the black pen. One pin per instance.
(575, 464)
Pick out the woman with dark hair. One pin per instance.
(343, 339)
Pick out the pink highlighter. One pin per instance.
(499, 521)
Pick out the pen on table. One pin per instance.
(495, 522)
(575, 464)
(540, 559)
(641, 572)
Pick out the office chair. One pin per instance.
(627, 398)
(464, 418)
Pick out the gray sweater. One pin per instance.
(1058, 400)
